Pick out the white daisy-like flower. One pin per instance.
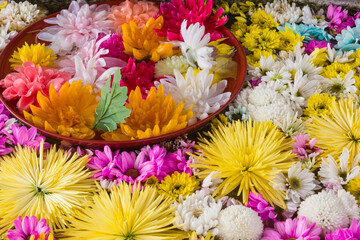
(279, 74)
(238, 222)
(298, 184)
(76, 26)
(266, 64)
(6, 35)
(196, 90)
(315, 19)
(194, 46)
(199, 213)
(210, 183)
(339, 56)
(169, 64)
(332, 173)
(291, 125)
(283, 12)
(350, 204)
(20, 15)
(326, 209)
(339, 85)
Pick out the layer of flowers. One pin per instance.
(281, 163)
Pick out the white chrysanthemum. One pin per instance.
(199, 213)
(168, 65)
(198, 91)
(291, 125)
(299, 183)
(318, 19)
(194, 46)
(76, 26)
(107, 184)
(339, 85)
(340, 56)
(291, 209)
(20, 15)
(350, 204)
(238, 222)
(279, 74)
(210, 183)
(326, 209)
(283, 12)
(332, 173)
(264, 103)
(266, 64)
(6, 35)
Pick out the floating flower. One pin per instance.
(178, 184)
(292, 229)
(143, 42)
(37, 54)
(194, 11)
(137, 11)
(305, 148)
(259, 205)
(69, 113)
(29, 81)
(142, 212)
(114, 44)
(75, 26)
(196, 90)
(6, 35)
(156, 115)
(353, 232)
(27, 137)
(238, 222)
(169, 64)
(246, 165)
(29, 228)
(54, 179)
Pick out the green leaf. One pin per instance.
(111, 109)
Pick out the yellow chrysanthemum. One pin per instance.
(319, 104)
(51, 185)
(288, 40)
(193, 236)
(178, 184)
(262, 40)
(319, 57)
(35, 53)
(154, 116)
(69, 113)
(222, 48)
(357, 84)
(263, 20)
(353, 187)
(144, 42)
(238, 28)
(335, 69)
(42, 237)
(3, 4)
(248, 156)
(126, 212)
(340, 130)
(222, 4)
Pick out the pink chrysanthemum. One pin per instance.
(310, 47)
(176, 11)
(339, 20)
(138, 75)
(27, 137)
(137, 11)
(297, 229)
(259, 205)
(3, 148)
(351, 233)
(114, 44)
(28, 81)
(28, 227)
(76, 26)
(180, 157)
(305, 148)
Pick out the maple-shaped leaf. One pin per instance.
(111, 109)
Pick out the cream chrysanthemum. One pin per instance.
(6, 35)
(238, 222)
(169, 64)
(283, 12)
(196, 90)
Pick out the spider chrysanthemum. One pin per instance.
(51, 185)
(128, 213)
(247, 156)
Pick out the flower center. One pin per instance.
(291, 239)
(343, 175)
(295, 183)
(133, 173)
(198, 212)
(337, 88)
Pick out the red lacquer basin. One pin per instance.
(29, 35)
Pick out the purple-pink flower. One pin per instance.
(351, 233)
(296, 229)
(27, 227)
(338, 19)
(310, 47)
(3, 148)
(259, 205)
(305, 148)
(27, 137)
(115, 46)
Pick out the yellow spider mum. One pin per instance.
(69, 113)
(263, 20)
(262, 40)
(193, 236)
(51, 185)
(353, 187)
(178, 184)
(340, 130)
(126, 212)
(319, 104)
(248, 156)
(144, 42)
(35, 53)
(154, 116)
(288, 40)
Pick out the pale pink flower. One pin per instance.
(305, 148)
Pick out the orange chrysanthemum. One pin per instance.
(69, 113)
(144, 42)
(154, 116)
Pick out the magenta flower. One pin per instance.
(27, 137)
(255, 83)
(351, 233)
(193, 11)
(3, 148)
(339, 20)
(296, 229)
(115, 46)
(259, 205)
(28, 227)
(305, 148)
(310, 47)
(180, 157)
